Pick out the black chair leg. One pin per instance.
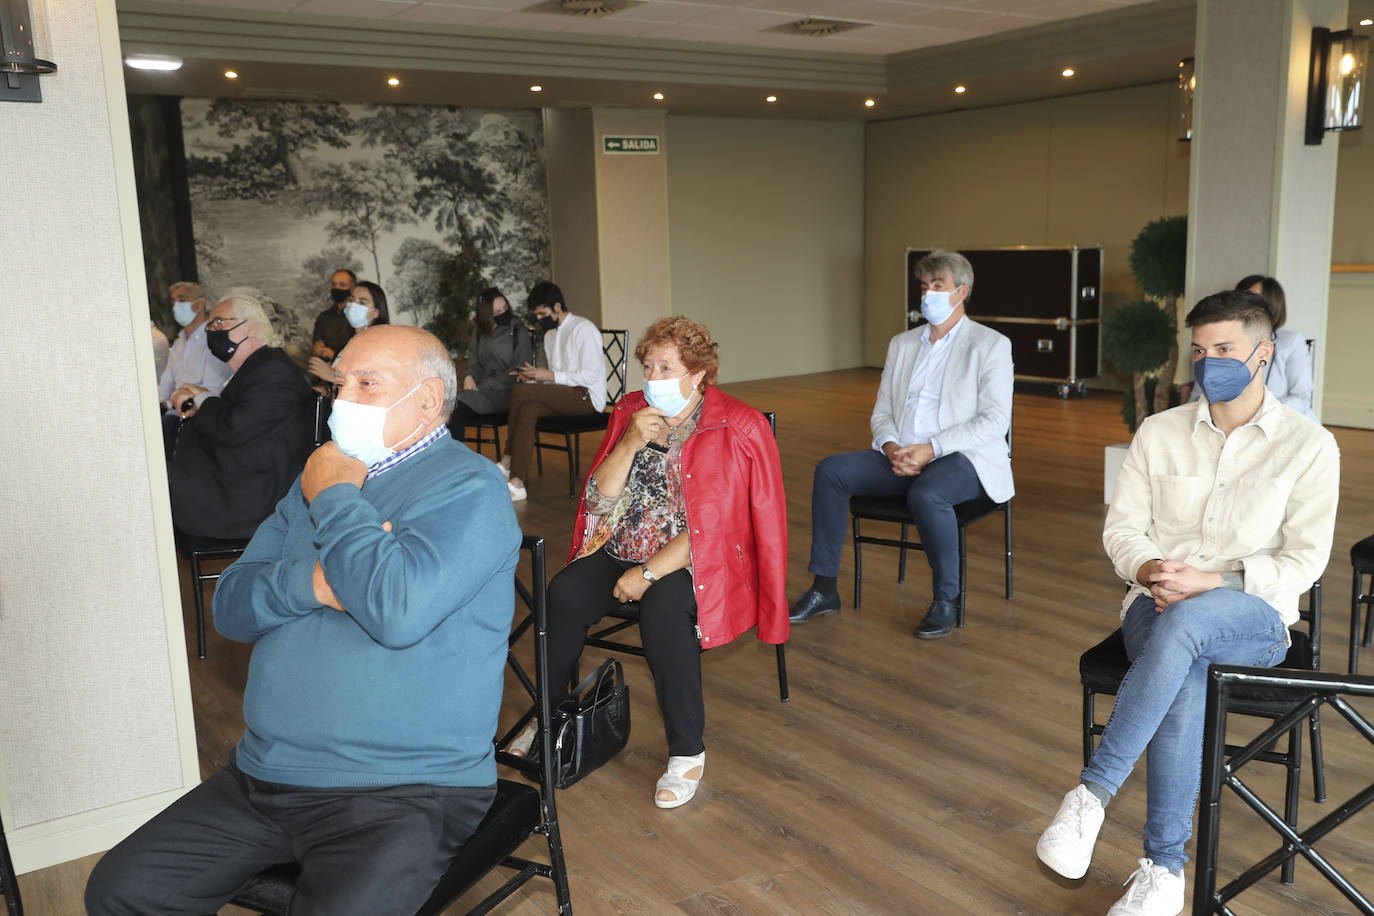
(574, 456)
(901, 559)
(496, 440)
(1314, 726)
(1355, 622)
(1089, 699)
(1006, 511)
(963, 577)
(538, 455)
(198, 586)
(1290, 799)
(858, 567)
(782, 673)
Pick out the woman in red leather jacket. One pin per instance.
(684, 512)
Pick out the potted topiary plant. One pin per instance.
(1141, 336)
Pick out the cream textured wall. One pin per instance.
(571, 164)
(1088, 169)
(95, 718)
(766, 229)
(1352, 236)
(1348, 396)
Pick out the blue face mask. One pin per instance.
(1222, 378)
(935, 306)
(666, 395)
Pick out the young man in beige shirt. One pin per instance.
(1222, 518)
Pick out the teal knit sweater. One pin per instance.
(405, 686)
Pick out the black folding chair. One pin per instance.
(519, 811)
(615, 344)
(9, 881)
(1103, 667)
(627, 615)
(199, 550)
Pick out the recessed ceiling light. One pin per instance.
(231, 74)
(1367, 22)
(960, 89)
(153, 63)
(869, 103)
(658, 96)
(536, 88)
(1067, 72)
(393, 81)
(771, 98)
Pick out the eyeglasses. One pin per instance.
(218, 324)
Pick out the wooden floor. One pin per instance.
(904, 777)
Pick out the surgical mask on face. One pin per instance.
(1223, 378)
(184, 312)
(338, 295)
(666, 394)
(219, 344)
(356, 313)
(935, 306)
(358, 429)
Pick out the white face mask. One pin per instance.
(935, 306)
(184, 312)
(356, 313)
(358, 429)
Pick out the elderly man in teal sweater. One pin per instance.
(378, 599)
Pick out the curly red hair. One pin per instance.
(692, 341)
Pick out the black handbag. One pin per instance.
(591, 725)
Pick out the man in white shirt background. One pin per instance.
(1223, 516)
(939, 438)
(190, 361)
(574, 381)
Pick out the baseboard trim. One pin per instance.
(66, 838)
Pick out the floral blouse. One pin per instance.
(650, 511)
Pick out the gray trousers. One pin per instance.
(365, 851)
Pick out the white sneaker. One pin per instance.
(1154, 891)
(516, 493)
(1067, 843)
(505, 471)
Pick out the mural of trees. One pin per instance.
(430, 202)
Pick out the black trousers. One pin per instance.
(365, 851)
(580, 595)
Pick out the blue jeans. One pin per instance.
(1162, 702)
(930, 495)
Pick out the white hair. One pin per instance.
(434, 362)
(195, 289)
(941, 261)
(248, 307)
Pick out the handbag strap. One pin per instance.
(597, 673)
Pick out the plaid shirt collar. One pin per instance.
(390, 461)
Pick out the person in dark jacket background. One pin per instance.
(500, 343)
(237, 454)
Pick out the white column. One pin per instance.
(1260, 201)
(96, 712)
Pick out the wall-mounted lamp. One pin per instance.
(19, 60)
(1187, 86)
(1335, 83)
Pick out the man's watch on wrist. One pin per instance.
(647, 573)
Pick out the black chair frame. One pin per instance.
(1306, 693)
(486, 421)
(9, 881)
(627, 615)
(1304, 655)
(270, 892)
(1362, 561)
(893, 509)
(198, 551)
(615, 346)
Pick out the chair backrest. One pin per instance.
(1306, 650)
(615, 344)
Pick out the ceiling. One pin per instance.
(883, 26)
(711, 57)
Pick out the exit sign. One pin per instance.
(630, 146)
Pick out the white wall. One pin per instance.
(95, 718)
(766, 240)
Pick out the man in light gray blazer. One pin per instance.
(939, 438)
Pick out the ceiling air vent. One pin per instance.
(590, 9)
(817, 28)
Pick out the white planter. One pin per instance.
(1113, 456)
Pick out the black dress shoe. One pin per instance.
(939, 619)
(813, 604)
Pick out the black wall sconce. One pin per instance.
(20, 64)
(1187, 85)
(1335, 83)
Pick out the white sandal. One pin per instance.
(520, 747)
(677, 783)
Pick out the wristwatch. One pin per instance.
(647, 574)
